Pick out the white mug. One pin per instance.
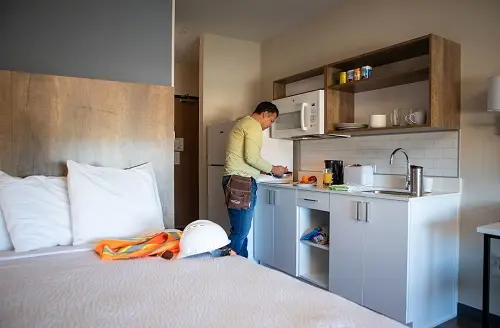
(415, 118)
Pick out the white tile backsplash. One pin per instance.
(437, 152)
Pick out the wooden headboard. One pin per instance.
(46, 120)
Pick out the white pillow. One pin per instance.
(36, 211)
(113, 203)
(5, 242)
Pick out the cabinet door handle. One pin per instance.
(269, 199)
(310, 200)
(357, 211)
(366, 212)
(275, 192)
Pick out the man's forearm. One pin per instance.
(258, 163)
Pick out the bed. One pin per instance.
(77, 289)
(83, 160)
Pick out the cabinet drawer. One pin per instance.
(314, 200)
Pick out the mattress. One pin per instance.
(79, 290)
(14, 255)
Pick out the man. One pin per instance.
(244, 163)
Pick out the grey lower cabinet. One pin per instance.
(275, 228)
(369, 253)
(397, 256)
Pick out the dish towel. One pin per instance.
(349, 187)
(164, 244)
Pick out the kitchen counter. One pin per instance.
(378, 244)
(363, 193)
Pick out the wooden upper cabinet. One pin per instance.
(279, 86)
(429, 58)
(444, 82)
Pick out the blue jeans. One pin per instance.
(240, 222)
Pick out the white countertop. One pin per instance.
(364, 194)
(490, 229)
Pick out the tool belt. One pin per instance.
(238, 193)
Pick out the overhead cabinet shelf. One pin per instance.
(429, 58)
(381, 82)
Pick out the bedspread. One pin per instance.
(78, 290)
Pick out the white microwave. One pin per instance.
(301, 115)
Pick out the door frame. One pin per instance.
(194, 99)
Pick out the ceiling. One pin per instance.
(253, 20)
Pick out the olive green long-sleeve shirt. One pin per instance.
(243, 150)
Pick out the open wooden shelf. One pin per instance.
(428, 58)
(279, 86)
(381, 82)
(388, 130)
(414, 48)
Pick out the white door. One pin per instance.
(346, 247)
(385, 257)
(217, 211)
(263, 227)
(285, 230)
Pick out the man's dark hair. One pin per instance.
(266, 106)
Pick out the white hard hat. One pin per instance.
(201, 236)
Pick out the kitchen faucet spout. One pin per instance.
(391, 161)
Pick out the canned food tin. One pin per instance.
(366, 72)
(350, 75)
(343, 77)
(357, 74)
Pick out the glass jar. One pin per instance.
(327, 177)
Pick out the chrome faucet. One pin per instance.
(407, 180)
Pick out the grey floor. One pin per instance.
(461, 323)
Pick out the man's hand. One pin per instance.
(279, 170)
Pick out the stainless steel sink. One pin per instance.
(388, 192)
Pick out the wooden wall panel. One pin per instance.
(46, 120)
(5, 121)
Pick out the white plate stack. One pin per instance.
(351, 126)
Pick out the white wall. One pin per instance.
(357, 26)
(77, 38)
(230, 83)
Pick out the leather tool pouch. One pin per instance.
(239, 193)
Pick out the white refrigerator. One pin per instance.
(275, 151)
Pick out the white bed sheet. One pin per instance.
(78, 290)
(14, 255)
